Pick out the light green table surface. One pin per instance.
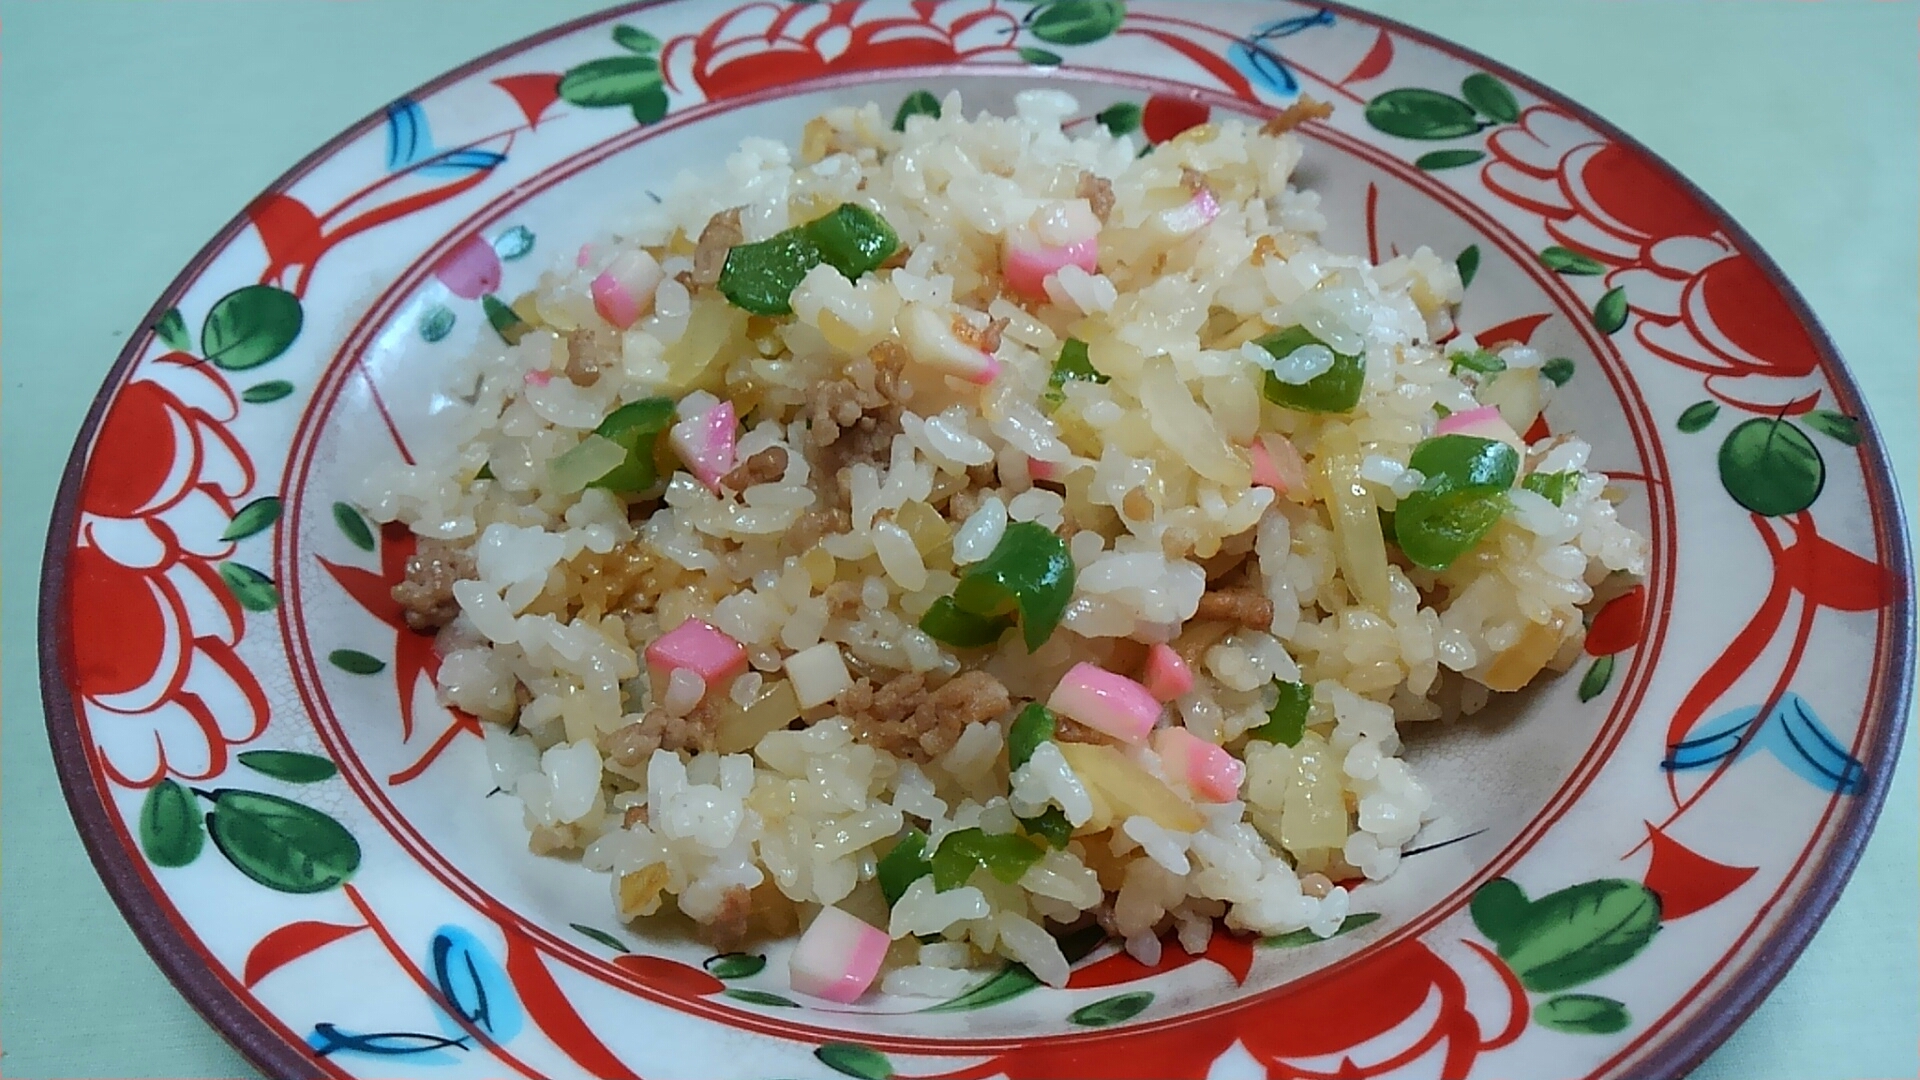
(134, 131)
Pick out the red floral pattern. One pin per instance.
(1703, 303)
(154, 627)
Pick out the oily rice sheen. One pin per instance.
(951, 537)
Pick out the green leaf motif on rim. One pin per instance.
(271, 390)
(614, 81)
(1610, 313)
(1298, 938)
(250, 326)
(1417, 113)
(1697, 416)
(1076, 22)
(436, 323)
(852, 1059)
(290, 766)
(1563, 260)
(1569, 937)
(170, 830)
(760, 997)
(1491, 97)
(353, 525)
(1468, 263)
(1557, 370)
(602, 937)
(1771, 467)
(1447, 159)
(280, 843)
(1039, 57)
(355, 662)
(1838, 426)
(257, 516)
(254, 590)
(1109, 1011)
(1004, 985)
(1121, 117)
(1582, 1014)
(1594, 682)
(172, 329)
(734, 965)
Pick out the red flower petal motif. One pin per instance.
(289, 943)
(1620, 624)
(1166, 117)
(671, 976)
(535, 94)
(1687, 881)
(1830, 575)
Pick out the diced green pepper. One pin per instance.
(1554, 487)
(1073, 363)
(1050, 825)
(1465, 463)
(853, 240)
(1479, 361)
(1287, 720)
(636, 427)
(1433, 529)
(1335, 390)
(947, 624)
(761, 277)
(1032, 727)
(904, 865)
(1006, 857)
(1030, 570)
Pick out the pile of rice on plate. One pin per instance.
(941, 539)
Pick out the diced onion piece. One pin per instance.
(1484, 422)
(1026, 263)
(1166, 676)
(1106, 702)
(1360, 548)
(1516, 393)
(624, 290)
(837, 957)
(1210, 773)
(593, 458)
(1124, 788)
(930, 340)
(819, 674)
(1191, 216)
(1520, 662)
(699, 648)
(706, 443)
(1188, 428)
(740, 730)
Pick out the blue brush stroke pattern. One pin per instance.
(416, 1047)
(474, 983)
(410, 146)
(1263, 65)
(1791, 732)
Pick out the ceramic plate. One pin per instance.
(1629, 858)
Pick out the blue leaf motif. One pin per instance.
(1264, 67)
(410, 146)
(416, 1047)
(1791, 732)
(473, 982)
(1288, 27)
(408, 137)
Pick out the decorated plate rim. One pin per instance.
(1674, 1050)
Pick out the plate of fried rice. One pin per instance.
(973, 539)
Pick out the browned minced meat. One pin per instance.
(721, 235)
(853, 419)
(815, 522)
(986, 339)
(906, 720)
(583, 365)
(636, 815)
(732, 925)
(1244, 606)
(762, 468)
(1098, 191)
(1193, 180)
(1303, 109)
(632, 745)
(425, 595)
